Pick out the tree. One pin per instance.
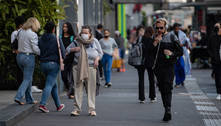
(43, 10)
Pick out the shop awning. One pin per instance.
(137, 1)
(194, 4)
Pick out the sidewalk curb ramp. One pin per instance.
(14, 113)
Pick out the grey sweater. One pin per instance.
(93, 51)
(108, 46)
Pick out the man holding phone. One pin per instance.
(166, 51)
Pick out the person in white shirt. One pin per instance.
(27, 48)
(19, 21)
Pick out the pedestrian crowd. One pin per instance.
(85, 59)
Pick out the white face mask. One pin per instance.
(85, 36)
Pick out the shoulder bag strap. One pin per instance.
(155, 61)
(61, 59)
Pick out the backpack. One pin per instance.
(135, 57)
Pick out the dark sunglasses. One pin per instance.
(157, 28)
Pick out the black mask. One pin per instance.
(216, 29)
(106, 36)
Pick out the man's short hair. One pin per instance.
(20, 20)
(99, 26)
(176, 25)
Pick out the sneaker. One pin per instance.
(92, 113)
(75, 113)
(71, 96)
(142, 102)
(35, 89)
(43, 109)
(106, 85)
(182, 83)
(19, 102)
(60, 108)
(109, 84)
(177, 86)
(218, 97)
(153, 100)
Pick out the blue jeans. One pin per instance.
(27, 64)
(107, 64)
(51, 70)
(180, 71)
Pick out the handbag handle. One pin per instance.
(61, 59)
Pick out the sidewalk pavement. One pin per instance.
(118, 106)
(6, 98)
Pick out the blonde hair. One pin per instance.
(32, 23)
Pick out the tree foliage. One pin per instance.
(43, 10)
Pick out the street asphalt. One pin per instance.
(118, 106)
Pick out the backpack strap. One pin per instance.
(75, 43)
(71, 38)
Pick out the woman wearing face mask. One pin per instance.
(214, 51)
(108, 45)
(87, 55)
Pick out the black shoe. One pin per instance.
(182, 83)
(167, 116)
(106, 85)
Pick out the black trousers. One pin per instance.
(141, 73)
(217, 71)
(67, 77)
(100, 67)
(165, 77)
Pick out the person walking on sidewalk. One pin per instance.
(214, 51)
(180, 65)
(19, 21)
(147, 41)
(166, 49)
(99, 35)
(68, 37)
(27, 48)
(108, 46)
(120, 42)
(140, 68)
(49, 59)
(87, 55)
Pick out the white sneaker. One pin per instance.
(218, 97)
(35, 89)
(153, 100)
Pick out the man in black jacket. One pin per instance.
(214, 51)
(167, 50)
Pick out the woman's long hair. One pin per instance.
(70, 30)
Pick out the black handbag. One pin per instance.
(14, 45)
(69, 59)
